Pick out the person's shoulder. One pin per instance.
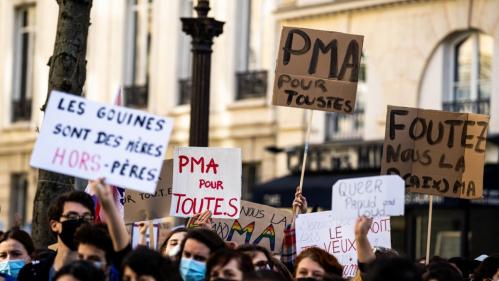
(38, 268)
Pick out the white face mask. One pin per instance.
(174, 251)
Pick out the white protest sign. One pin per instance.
(91, 140)
(337, 237)
(206, 179)
(369, 196)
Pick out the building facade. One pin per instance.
(437, 54)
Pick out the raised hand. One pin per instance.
(300, 204)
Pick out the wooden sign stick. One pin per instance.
(305, 152)
(428, 236)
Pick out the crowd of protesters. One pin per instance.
(89, 251)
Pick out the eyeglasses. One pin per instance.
(75, 217)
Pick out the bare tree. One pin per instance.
(67, 73)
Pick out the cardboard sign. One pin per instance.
(337, 237)
(436, 152)
(257, 224)
(370, 196)
(140, 206)
(91, 140)
(136, 236)
(206, 179)
(317, 69)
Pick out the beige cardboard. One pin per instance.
(141, 206)
(259, 224)
(321, 89)
(445, 174)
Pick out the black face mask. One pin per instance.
(306, 279)
(68, 231)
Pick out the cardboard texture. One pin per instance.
(317, 69)
(141, 206)
(436, 152)
(337, 236)
(257, 224)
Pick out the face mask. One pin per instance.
(192, 270)
(222, 279)
(306, 279)
(174, 251)
(68, 231)
(11, 267)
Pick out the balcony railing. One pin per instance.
(185, 89)
(251, 84)
(473, 106)
(136, 96)
(21, 110)
(344, 126)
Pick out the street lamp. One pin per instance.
(202, 30)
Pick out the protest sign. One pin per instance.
(317, 69)
(206, 179)
(150, 236)
(337, 237)
(92, 140)
(257, 224)
(140, 206)
(369, 196)
(436, 152)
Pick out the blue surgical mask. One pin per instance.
(192, 270)
(11, 267)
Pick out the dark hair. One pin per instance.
(57, 205)
(81, 270)
(20, 236)
(442, 271)
(96, 235)
(209, 238)
(173, 231)
(327, 261)
(393, 269)
(464, 265)
(487, 268)
(252, 249)
(281, 268)
(224, 256)
(144, 261)
(264, 275)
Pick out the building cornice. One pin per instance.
(294, 12)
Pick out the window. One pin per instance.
(18, 192)
(250, 177)
(250, 78)
(185, 58)
(138, 53)
(24, 39)
(349, 126)
(471, 66)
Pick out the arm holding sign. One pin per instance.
(365, 254)
(115, 222)
(288, 254)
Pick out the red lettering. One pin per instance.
(212, 165)
(183, 161)
(191, 207)
(73, 161)
(178, 201)
(95, 160)
(59, 155)
(201, 183)
(336, 247)
(219, 184)
(236, 211)
(197, 162)
(375, 225)
(83, 161)
(209, 199)
(218, 205)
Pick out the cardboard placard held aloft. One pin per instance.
(257, 224)
(436, 152)
(140, 206)
(317, 69)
